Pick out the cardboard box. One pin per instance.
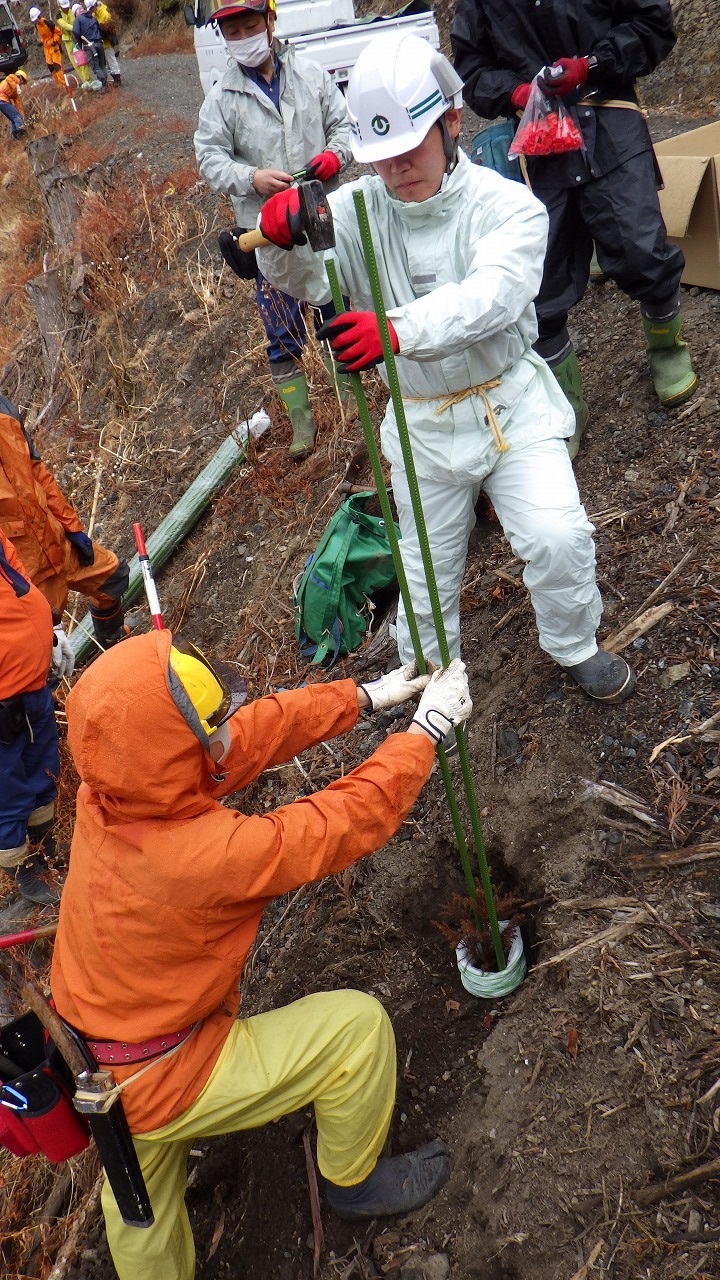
(690, 203)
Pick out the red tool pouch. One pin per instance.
(36, 1110)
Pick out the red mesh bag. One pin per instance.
(546, 127)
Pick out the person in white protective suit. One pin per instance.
(269, 117)
(460, 256)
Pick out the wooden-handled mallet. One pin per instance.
(315, 219)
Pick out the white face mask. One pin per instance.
(251, 52)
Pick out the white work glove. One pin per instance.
(62, 658)
(446, 702)
(396, 687)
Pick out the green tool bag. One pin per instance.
(491, 146)
(351, 563)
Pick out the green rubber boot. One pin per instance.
(597, 275)
(669, 359)
(340, 382)
(568, 375)
(294, 394)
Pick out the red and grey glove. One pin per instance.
(519, 96)
(324, 166)
(280, 219)
(355, 340)
(574, 74)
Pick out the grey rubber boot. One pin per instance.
(606, 677)
(397, 1184)
(568, 374)
(292, 388)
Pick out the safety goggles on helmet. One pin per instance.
(398, 88)
(206, 693)
(217, 9)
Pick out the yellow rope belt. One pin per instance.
(457, 397)
(611, 102)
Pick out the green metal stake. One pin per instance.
(375, 463)
(404, 436)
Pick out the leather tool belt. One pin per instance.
(116, 1053)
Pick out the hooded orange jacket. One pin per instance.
(50, 37)
(33, 512)
(166, 886)
(26, 630)
(10, 92)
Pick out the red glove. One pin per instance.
(324, 166)
(520, 96)
(355, 340)
(280, 219)
(574, 74)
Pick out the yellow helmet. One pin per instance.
(206, 694)
(227, 8)
(22, 75)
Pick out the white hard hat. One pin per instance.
(64, 4)
(398, 88)
(35, 14)
(90, 4)
(78, 8)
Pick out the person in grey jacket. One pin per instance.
(268, 118)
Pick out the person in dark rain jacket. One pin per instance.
(606, 193)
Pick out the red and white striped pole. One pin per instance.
(150, 589)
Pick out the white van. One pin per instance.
(325, 30)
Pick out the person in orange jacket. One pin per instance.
(50, 37)
(10, 104)
(162, 904)
(48, 535)
(29, 754)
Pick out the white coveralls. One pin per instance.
(239, 131)
(459, 273)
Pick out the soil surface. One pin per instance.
(567, 1104)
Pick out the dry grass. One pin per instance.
(178, 41)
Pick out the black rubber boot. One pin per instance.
(397, 1184)
(30, 880)
(606, 677)
(108, 625)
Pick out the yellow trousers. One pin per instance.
(335, 1049)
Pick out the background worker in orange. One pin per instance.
(10, 104)
(48, 535)
(29, 754)
(50, 37)
(163, 901)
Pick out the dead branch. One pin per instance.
(585, 1270)
(318, 1233)
(78, 1232)
(697, 731)
(613, 934)
(668, 1188)
(620, 640)
(665, 582)
(677, 857)
(621, 799)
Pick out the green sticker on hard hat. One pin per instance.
(380, 125)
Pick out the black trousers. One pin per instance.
(620, 212)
